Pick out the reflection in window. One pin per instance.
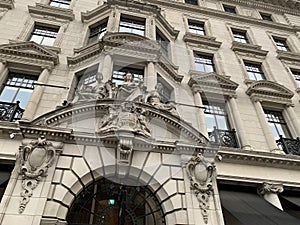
(240, 36)
(281, 44)
(254, 71)
(44, 35)
(163, 42)
(61, 3)
(296, 75)
(196, 28)
(215, 116)
(277, 124)
(132, 26)
(97, 31)
(18, 87)
(166, 92)
(119, 72)
(204, 63)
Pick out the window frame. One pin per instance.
(191, 2)
(236, 34)
(131, 22)
(205, 57)
(257, 66)
(229, 8)
(44, 28)
(61, 2)
(281, 44)
(295, 73)
(264, 16)
(102, 24)
(163, 42)
(200, 28)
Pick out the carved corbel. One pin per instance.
(267, 188)
(201, 173)
(35, 159)
(125, 147)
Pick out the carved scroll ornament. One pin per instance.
(201, 172)
(35, 159)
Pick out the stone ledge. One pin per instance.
(42, 9)
(248, 49)
(202, 40)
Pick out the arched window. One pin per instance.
(109, 203)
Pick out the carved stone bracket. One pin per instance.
(35, 159)
(266, 188)
(125, 147)
(201, 172)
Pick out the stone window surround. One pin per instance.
(289, 67)
(221, 5)
(288, 38)
(266, 13)
(203, 20)
(71, 6)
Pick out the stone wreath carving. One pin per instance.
(35, 159)
(201, 172)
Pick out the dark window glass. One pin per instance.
(132, 26)
(60, 3)
(87, 77)
(230, 9)
(240, 36)
(281, 44)
(196, 28)
(167, 90)
(215, 116)
(18, 87)
(163, 42)
(44, 35)
(265, 16)
(204, 63)
(97, 31)
(277, 124)
(192, 2)
(297, 77)
(254, 71)
(5, 172)
(119, 72)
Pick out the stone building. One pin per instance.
(147, 112)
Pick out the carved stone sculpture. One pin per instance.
(35, 159)
(270, 188)
(201, 172)
(125, 117)
(154, 99)
(125, 148)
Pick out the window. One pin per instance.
(61, 3)
(5, 172)
(119, 72)
(44, 35)
(254, 71)
(87, 77)
(167, 91)
(296, 75)
(277, 124)
(18, 87)
(215, 116)
(265, 16)
(204, 63)
(240, 36)
(132, 26)
(196, 28)
(229, 9)
(192, 2)
(281, 44)
(163, 42)
(97, 31)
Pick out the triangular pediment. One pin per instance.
(212, 80)
(29, 49)
(266, 88)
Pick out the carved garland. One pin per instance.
(35, 159)
(201, 172)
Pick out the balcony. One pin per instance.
(289, 146)
(225, 138)
(10, 111)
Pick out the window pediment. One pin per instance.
(269, 91)
(212, 82)
(42, 10)
(202, 40)
(28, 52)
(8, 4)
(246, 49)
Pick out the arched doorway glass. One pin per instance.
(107, 203)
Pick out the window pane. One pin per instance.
(210, 122)
(8, 94)
(48, 41)
(222, 123)
(23, 96)
(36, 39)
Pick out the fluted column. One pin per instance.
(36, 96)
(270, 193)
(151, 78)
(107, 67)
(265, 126)
(200, 113)
(294, 119)
(239, 124)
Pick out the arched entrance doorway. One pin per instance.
(109, 203)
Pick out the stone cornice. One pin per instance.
(288, 56)
(8, 4)
(228, 16)
(202, 40)
(257, 158)
(42, 9)
(246, 49)
(174, 33)
(270, 92)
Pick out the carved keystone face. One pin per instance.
(37, 157)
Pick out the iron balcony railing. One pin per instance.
(289, 146)
(10, 111)
(226, 138)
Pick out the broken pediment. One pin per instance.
(206, 82)
(269, 91)
(29, 50)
